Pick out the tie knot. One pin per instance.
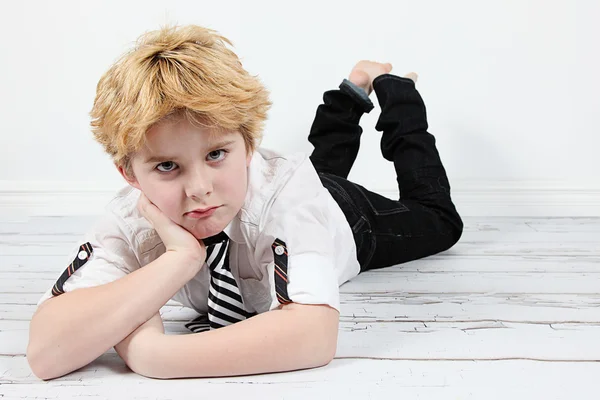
(216, 247)
(212, 240)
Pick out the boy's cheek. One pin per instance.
(165, 203)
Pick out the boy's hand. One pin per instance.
(364, 73)
(173, 236)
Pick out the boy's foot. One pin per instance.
(413, 76)
(364, 73)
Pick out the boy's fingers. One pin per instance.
(142, 208)
(148, 210)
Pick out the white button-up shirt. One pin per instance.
(285, 200)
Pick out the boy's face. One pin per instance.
(184, 168)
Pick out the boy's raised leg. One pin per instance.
(424, 220)
(428, 221)
(335, 133)
(406, 142)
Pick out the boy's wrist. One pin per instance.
(187, 264)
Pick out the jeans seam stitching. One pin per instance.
(343, 193)
(372, 252)
(403, 208)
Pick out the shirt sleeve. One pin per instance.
(104, 254)
(296, 248)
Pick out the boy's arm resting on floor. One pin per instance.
(296, 336)
(296, 244)
(70, 330)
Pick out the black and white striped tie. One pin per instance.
(225, 304)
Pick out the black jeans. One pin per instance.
(424, 221)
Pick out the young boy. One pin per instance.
(256, 242)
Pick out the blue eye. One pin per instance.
(169, 166)
(214, 155)
(166, 163)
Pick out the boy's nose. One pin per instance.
(199, 184)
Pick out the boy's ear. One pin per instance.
(130, 179)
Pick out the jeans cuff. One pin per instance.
(358, 94)
(384, 77)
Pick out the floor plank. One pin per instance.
(109, 378)
(399, 306)
(398, 340)
(513, 310)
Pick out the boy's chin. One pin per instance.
(203, 232)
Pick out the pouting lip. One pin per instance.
(201, 210)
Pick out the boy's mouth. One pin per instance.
(201, 213)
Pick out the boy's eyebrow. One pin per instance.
(215, 146)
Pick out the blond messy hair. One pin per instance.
(176, 71)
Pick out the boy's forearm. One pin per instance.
(71, 330)
(296, 337)
(132, 349)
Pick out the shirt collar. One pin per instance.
(233, 229)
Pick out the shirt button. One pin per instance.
(279, 250)
(82, 255)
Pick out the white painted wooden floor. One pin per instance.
(513, 310)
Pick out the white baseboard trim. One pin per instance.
(472, 198)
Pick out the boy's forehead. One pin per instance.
(165, 130)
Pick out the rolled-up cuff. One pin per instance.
(312, 280)
(358, 94)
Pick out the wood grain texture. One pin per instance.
(513, 310)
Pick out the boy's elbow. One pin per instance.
(331, 347)
(323, 329)
(323, 353)
(328, 353)
(42, 363)
(34, 355)
(329, 338)
(39, 366)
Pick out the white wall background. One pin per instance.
(512, 90)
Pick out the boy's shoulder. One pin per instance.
(270, 172)
(277, 181)
(271, 168)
